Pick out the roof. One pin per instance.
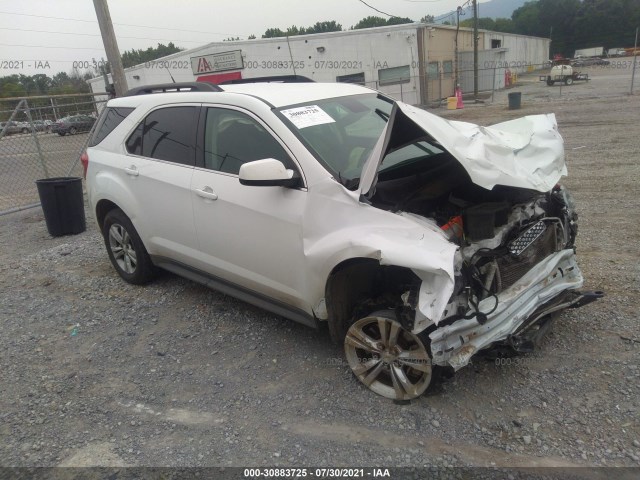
(275, 94)
(281, 94)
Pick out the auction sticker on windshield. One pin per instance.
(303, 117)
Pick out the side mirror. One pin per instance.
(267, 173)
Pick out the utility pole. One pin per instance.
(635, 59)
(475, 50)
(111, 47)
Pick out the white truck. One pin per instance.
(589, 52)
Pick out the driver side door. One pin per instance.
(249, 236)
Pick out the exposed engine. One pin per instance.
(502, 233)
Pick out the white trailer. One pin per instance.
(589, 52)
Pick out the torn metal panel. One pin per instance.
(359, 230)
(455, 344)
(527, 152)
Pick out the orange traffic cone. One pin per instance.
(459, 97)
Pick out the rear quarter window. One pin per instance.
(111, 117)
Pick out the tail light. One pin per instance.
(84, 159)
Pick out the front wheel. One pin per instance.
(549, 81)
(125, 248)
(73, 131)
(568, 81)
(390, 360)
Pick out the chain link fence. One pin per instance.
(42, 137)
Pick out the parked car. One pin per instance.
(589, 61)
(419, 241)
(42, 125)
(73, 124)
(14, 127)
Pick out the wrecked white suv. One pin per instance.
(419, 241)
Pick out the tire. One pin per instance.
(125, 249)
(24, 130)
(568, 81)
(388, 359)
(62, 134)
(73, 131)
(550, 82)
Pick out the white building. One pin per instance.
(413, 62)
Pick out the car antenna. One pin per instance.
(169, 72)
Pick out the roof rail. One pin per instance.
(270, 79)
(173, 87)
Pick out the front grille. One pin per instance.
(513, 268)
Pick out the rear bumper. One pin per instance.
(550, 286)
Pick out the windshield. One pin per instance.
(341, 132)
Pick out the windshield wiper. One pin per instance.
(382, 114)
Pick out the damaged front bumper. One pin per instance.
(550, 286)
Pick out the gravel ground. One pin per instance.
(98, 372)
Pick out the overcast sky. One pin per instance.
(74, 34)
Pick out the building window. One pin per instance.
(394, 75)
(495, 43)
(432, 70)
(351, 78)
(447, 67)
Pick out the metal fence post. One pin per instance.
(27, 112)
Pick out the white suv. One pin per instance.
(419, 241)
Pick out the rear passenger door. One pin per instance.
(158, 169)
(248, 235)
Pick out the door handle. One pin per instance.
(207, 193)
(132, 170)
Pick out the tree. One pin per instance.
(398, 20)
(319, 27)
(428, 19)
(134, 57)
(231, 39)
(370, 22)
(251, 37)
(373, 21)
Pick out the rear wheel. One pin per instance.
(25, 130)
(73, 130)
(549, 81)
(387, 358)
(125, 248)
(568, 80)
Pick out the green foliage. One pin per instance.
(428, 19)
(575, 24)
(31, 85)
(134, 57)
(486, 23)
(373, 21)
(319, 27)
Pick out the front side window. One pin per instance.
(233, 138)
(166, 134)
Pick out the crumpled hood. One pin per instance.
(527, 152)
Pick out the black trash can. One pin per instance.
(63, 205)
(515, 98)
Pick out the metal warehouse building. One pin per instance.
(417, 63)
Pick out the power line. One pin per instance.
(96, 35)
(120, 24)
(379, 11)
(49, 46)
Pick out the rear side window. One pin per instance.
(108, 121)
(166, 134)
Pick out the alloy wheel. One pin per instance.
(121, 245)
(388, 359)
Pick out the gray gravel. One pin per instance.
(98, 372)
